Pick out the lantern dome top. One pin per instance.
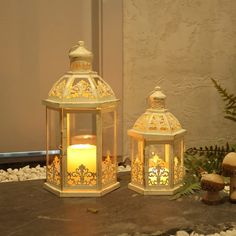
(80, 86)
(157, 120)
(79, 52)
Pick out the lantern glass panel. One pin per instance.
(108, 148)
(53, 144)
(178, 161)
(137, 173)
(158, 164)
(81, 149)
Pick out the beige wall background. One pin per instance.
(35, 38)
(179, 45)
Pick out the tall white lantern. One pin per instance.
(81, 111)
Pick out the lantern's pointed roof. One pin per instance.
(79, 52)
(157, 119)
(80, 86)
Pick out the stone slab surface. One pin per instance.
(28, 209)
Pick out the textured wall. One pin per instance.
(35, 39)
(179, 45)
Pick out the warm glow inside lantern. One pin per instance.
(81, 112)
(157, 147)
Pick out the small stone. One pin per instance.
(182, 233)
(134, 195)
(156, 233)
(13, 177)
(179, 200)
(9, 170)
(92, 210)
(223, 233)
(33, 176)
(196, 198)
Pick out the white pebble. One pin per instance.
(22, 174)
(182, 233)
(9, 170)
(13, 177)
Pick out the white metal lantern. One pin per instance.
(157, 147)
(81, 112)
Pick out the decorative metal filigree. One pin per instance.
(53, 171)
(178, 170)
(158, 122)
(108, 170)
(81, 176)
(103, 90)
(137, 171)
(158, 174)
(58, 89)
(141, 123)
(81, 65)
(82, 89)
(157, 104)
(174, 123)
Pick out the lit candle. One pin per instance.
(81, 154)
(158, 173)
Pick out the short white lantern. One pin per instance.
(157, 148)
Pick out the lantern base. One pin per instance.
(144, 191)
(81, 192)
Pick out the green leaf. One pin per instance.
(186, 190)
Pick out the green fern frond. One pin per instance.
(186, 190)
(230, 118)
(229, 99)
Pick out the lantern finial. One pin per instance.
(80, 58)
(156, 99)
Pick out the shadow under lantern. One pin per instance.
(157, 148)
(81, 112)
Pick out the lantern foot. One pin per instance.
(81, 192)
(164, 191)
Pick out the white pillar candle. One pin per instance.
(81, 154)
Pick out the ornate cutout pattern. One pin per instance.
(178, 170)
(137, 171)
(53, 172)
(58, 89)
(108, 170)
(103, 90)
(157, 104)
(157, 122)
(141, 123)
(82, 89)
(174, 123)
(81, 176)
(158, 174)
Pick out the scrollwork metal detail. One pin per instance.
(174, 123)
(103, 90)
(158, 174)
(81, 89)
(178, 171)
(81, 176)
(108, 170)
(58, 89)
(53, 171)
(137, 171)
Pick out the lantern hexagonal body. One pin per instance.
(81, 112)
(157, 147)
